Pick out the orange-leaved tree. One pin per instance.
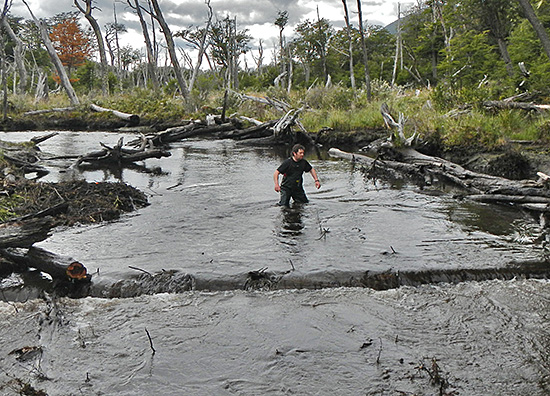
(71, 43)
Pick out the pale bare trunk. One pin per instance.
(99, 38)
(151, 59)
(202, 48)
(365, 53)
(65, 82)
(171, 49)
(18, 55)
(537, 25)
(350, 44)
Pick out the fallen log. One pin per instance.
(133, 119)
(477, 186)
(24, 233)
(53, 110)
(42, 138)
(120, 155)
(59, 267)
(256, 131)
(192, 129)
(505, 105)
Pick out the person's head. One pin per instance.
(298, 152)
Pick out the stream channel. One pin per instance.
(213, 215)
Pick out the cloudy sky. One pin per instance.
(255, 15)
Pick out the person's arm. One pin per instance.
(314, 175)
(276, 180)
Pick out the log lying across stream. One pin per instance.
(530, 194)
(120, 155)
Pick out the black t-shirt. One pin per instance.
(292, 172)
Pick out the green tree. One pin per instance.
(311, 45)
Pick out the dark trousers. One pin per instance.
(297, 194)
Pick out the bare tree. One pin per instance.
(537, 25)
(259, 60)
(87, 11)
(151, 58)
(365, 53)
(65, 82)
(17, 53)
(3, 63)
(348, 25)
(111, 32)
(198, 39)
(171, 48)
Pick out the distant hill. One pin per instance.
(392, 27)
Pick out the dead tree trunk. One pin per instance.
(350, 44)
(539, 28)
(202, 47)
(151, 59)
(24, 234)
(99, 38)
(65, 82)
(18, 55)
(133, 119)
(120, 155)
(59, 267)
(171, 49)
(477, 186)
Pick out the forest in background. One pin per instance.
(468, 72)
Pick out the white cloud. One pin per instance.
(257, 16)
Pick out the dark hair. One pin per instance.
(297, 147)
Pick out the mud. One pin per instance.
(85, 202)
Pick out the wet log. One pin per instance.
(133, 119)
(121, 155)
(42, 138)
(192, 129)
(59, 267)
(24, 233)
(478, 186)
(256, 131)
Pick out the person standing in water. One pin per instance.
(292, 184)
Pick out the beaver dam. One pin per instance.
(378, 286)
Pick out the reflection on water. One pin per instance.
(291, 221)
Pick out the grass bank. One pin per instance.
(442, 120)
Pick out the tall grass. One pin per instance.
(344, 110)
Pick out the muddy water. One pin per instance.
(487, 338)
(212, 215)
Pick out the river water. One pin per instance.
(213, 216)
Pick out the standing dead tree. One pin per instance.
(151, 58)
(350, 44)
(65, 82)
(364, 48)
(171, 49)
(17, 53)
(87, 11)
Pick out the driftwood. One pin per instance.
(120, 155)
(257, 131)
(59, 267)
(133, 119)
(53, 110)
(529, 194)
(24, 233)
(42, 138)
(506, 104)
(178, 133)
